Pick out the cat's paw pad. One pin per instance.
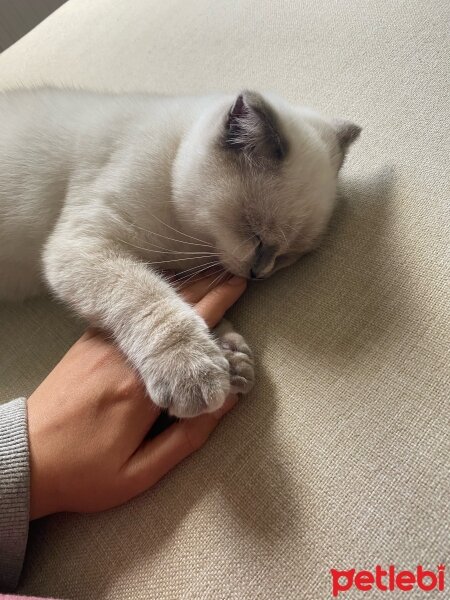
(240, 359)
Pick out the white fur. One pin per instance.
(92, 185)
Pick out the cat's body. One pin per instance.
(92, 185)
(58, 141)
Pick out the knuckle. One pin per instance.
(130, 385)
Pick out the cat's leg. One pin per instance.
(239, 356)
(180, 362)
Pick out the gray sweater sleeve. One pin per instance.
(14, 491)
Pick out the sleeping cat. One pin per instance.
(101, 192)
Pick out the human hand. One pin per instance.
(88, 422)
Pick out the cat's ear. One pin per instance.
(347, 132)
(252, 130)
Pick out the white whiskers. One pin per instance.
(203, 243)
(193, 277)
(218, 279)
(212, 266)
(198, 254)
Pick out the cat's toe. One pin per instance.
(240, 359)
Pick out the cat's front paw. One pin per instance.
(240, 359)
(190, 379)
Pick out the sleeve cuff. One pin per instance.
(14, 491)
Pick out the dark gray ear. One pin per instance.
(347, 132)
(252, 129)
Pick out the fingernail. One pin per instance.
(235, 280)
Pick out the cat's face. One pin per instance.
(258, 178)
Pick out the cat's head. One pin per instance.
(258, 177)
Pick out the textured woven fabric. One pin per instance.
(14, 491)
(15, 597)
(339, 458)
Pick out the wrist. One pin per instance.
(42, 491)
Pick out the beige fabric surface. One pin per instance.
(340, 456)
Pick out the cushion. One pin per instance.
(339, 457)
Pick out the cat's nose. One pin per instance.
(257, 274)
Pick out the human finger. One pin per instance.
(193, 290)
(215, 304)
(156, 457)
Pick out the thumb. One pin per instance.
(215, 304)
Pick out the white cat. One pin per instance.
(100, 192)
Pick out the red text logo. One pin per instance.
(388, 580)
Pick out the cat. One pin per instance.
(101, 192)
